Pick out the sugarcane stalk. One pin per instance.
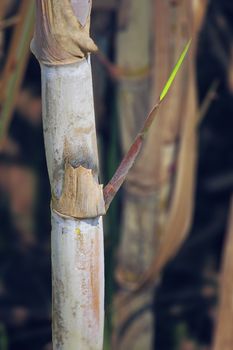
(157, 211)
(62, 45)
(173, 139)
(176, 128)
(132, 327)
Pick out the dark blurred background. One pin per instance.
(186, 299)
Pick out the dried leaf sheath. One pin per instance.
(75, 201)
(59, 36)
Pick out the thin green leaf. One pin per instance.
(174, 72)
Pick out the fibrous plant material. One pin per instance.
(65, 38)
(223, 338)
(16, 63)
(62, 46)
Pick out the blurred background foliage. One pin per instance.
(186, 297)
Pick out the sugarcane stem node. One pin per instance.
(59, 37)
(82, 197)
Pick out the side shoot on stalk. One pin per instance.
(126, 164)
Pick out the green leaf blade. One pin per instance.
(174, 72)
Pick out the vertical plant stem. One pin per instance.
(133, 321)
(157, 210)
(174, 136)
(77, 199)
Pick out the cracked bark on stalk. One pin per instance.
(62, 45)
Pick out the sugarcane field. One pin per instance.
(116, 175)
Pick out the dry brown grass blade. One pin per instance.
(210, 96)
(9, 22)
(223, 338)
(4, 7)
(15, 66)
